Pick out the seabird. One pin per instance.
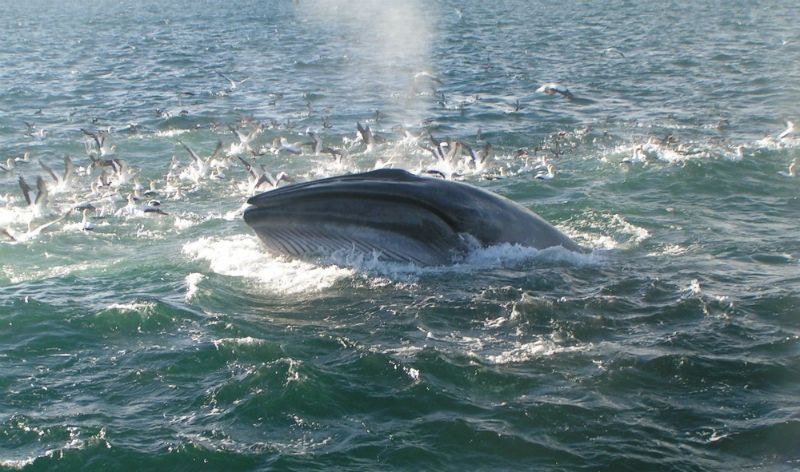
(552, 88)
(473, 158)
(740, 152)
(424, 78)
(201, 163)
(638, 155)
(315, 143)
(26, 189)
(233, 83)
(789, 130)
(41, 193)
(616, 51)
(152, 191)
(426, 75)
(256, 180)
(551, 172)
(792, 169)
(366, 134)
(60, 180)
(99, 138)
(153, 207)
(128, 210)
(32, 232)
(32, 132)
(218, 159)
(86, 225)
(337, 154)
(244, 139)
(284, 145)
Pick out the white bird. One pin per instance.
(101, 146)
(315, 143)
(552, 88)
(39, 204)
(61, 181)
(33, 132)
(792, 169)
(261, 180)
(199, 167)
(542, 163)
(32, 232)
(244, 139)
(638, 155)
(425, 78)
(616, 51)
(284, 145)
(366, 135)
(551, 172)
(122, 172)
(218, 160)
(233, 83)
(789, 130)
(379, 164)
(86, 225)
(130, 209)
(740, 152)
(152, 191)
(9, 165)
(427, 75)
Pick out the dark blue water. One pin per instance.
(177, 342)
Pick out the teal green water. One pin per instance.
(177, 342)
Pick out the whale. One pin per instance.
(394, 215)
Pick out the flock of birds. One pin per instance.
(106, 186)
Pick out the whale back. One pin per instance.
(401, 216)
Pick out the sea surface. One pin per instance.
(177, 342)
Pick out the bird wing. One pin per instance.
(194, 155)
(41, 195)
(216, 150)
(49, 171)
(26, 189)
(94, 137)
(68, 168)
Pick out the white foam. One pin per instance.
(772, 144)
(497, 256)
(637, 233)
(694, 288)
(243, 256)
(14, 216)
(192, 282)
(510, 255)
(16, 277)
(522, 352)
(17, 464)
(183, 223)
(133, 306)
(412, 373)
(670, 250)
(246, 341)
(623, 233)
(169, 133)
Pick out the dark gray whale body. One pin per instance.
(396, 214)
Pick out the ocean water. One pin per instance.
(176, 342)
